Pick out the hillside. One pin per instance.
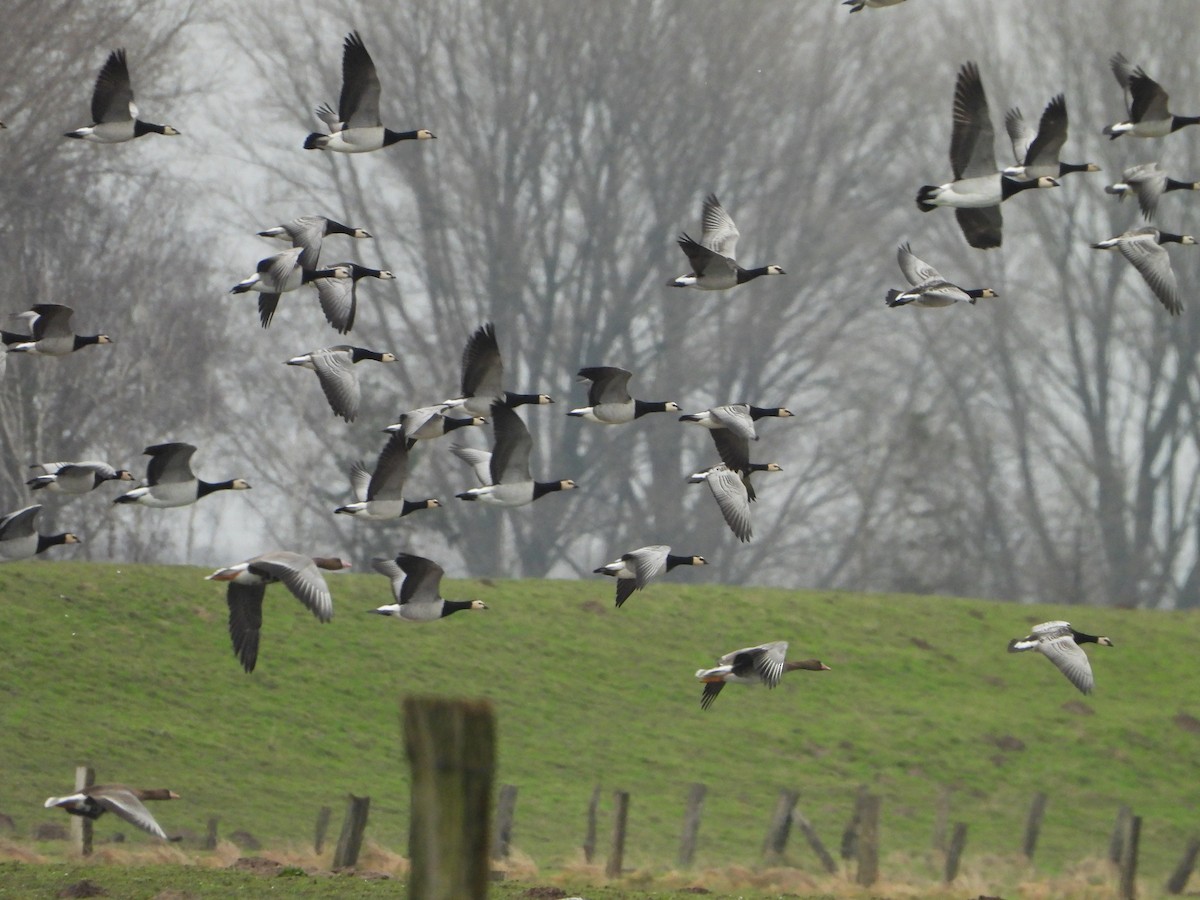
(129, 668)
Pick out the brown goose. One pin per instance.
(125, 802)
(764, 664)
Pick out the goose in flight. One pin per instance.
(1145, 103)
(1144, 249)
(123, 802)
(114, 114)
(929, 288)
(416, 587)
(170, 480)
(714, 267)
(633, 570)
(763, 664)
(1060, 643)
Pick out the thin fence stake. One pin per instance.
(350, 841)
(868, 840)
(691, 825)
(957, 842)
(1179, 878)
(781, 824)
(81, 828)
(506, 810)
(616, 856)
(1033, 825)
(1129, 860)
(810, 834)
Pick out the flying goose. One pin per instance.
(1143, 248)
(735, 455)
(124, 802)
(278, 274)
(714, 267)
(114, 114)
(977, 189)
(857, 5)
(416, 585)
(339, 296)
(356, 127)
(74, 477)
(509, 482)
(1146, 104)
(736, 417)
(929, 288)
(1148, 182)
(308, 233)
(50, 332)
(764, 664)
(339, 379)
(633, 570)
(170, 480)
(732, 496)
(609, 401)
(482, 382)
(430, 422)
(1037, 152)
(19, 539)
(1059, 643)
(379, 495)
(248, 584)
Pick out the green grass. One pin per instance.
(129, 669)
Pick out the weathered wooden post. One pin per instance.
(350, 840)
(691, 825)
(1128, 886)
(1116, 844)
(210, 834)
(81, 828)
(781, 824)
(616, 857)
(810, 834)
(1033, 825)
(323, 816)
(849, 848)
(589, 838)
(868, 839)
(1179, 878)
(506, 810)
(957, 842)
(451, 748)
(941, 818)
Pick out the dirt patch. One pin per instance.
(545, 893)
(1008, 743)
(1078, 707)
(593, 606)
(920, 643)
(50, 831)
(1187, 723)
(83, 888)
(246, 840)
(259, 865)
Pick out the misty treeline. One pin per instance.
(1042, 445)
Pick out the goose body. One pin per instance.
(279, 274)
(714, 267)
(339, 379)
(429, 422)
(509, 482)
(633, 570)
(339, 296)
(50, 334)
(379, 494)
(416, 587)
(170, 481)
(929, 288)
(1148, 182)
(356, 126)
(482, 382)
(1146, 104)
(74, 477)
(762, 664)
(114, 114)
(609, 401)
(248, 581)
(309, 233)
(122, 801)
(1037, 152)
(1143, 247)
(1060, 643)
(19, 538)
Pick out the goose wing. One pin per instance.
(339, 380)
(360, 481)
(645, 563)
(1051, 135)
(480, 461)
(702, 259)
(1148, 182)
(52, 320)
(391, 469)
(982, 226)
(1149, 100)
(245, 620)
(736, 418)
(711, 689)
(358, 105)
(482, 367)
(916, 271)
(19, 524)
(300, 575)
(391, 569)
(307, 233)
(423, 579)
(124, 803)
(1019, 134)
(733, 449)
(510, 453)
(973, 138)
(339, 300)
(1153, 263)
(169, 463)
(1070, 659)
(717, 231)
(1122, 69)
(768, 663)
(608, 384)
(112, 98)
(279, 268)
(731, 497)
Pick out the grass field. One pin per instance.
(129, 669)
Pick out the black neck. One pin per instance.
(673, 561)
(453, 606)
(358, 354)
(641, 407)
(975, 293)
(744, 275)
(1068, 168)
(140, 128)
(390, 137)
(758, 412)
(82, 340)
(357, 271)
(1178, 122)
(1008, 186)
(50, 540)
(1173, 185)
(313, 274)
(207, 487)
(451, 424)
(542, 488)
(1166, 237)
(411, 506)
(511, 399)
(332, 227)
(1081, 638)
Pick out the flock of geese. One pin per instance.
(504, 475)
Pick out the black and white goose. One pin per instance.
(339, 296)
(170, 480)
(339, 379)
(978, 188)
(114, 114)
(762, 664)
(736, 417)
(714, 266)
(633, 570)
(50, 334)
(356, 126)
(123, 802)
(508, 482)
(609, 400)
(929, 288)
(482, 382)
(74, 477)
(416, 586)
(429, 422)
(279, 274)
(248, 581)
(1145, 103)
(735, 455)
(1037, 152)
(1059, 643)
(309, 233)
(379, 494)
(19, 538)
(1148, 182)
(1144, 249)
(729, 490)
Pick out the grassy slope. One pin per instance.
(129, 668)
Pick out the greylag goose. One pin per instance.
(763, 664)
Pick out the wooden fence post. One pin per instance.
(1129, 859)
(1116, 844)
(691, 825)
(506, 810)
(589, 839)
(353, 826)
(810, 834)
(323, 816)
(781, 824)
(210, 834)
(941, 818)
(616, 856)
(957, 842)
(868, 840)
(1179, 878)
(1033, 825)
(451, 748)
(849, 846)
(81, 828)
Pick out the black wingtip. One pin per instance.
(314, 141)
